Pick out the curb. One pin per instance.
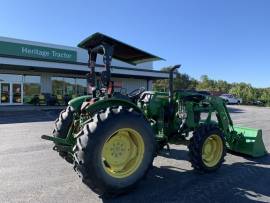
(29, 108)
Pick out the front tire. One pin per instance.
(207, 148)
(114, 151)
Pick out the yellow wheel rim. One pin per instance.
(212, 150)
(122, 153)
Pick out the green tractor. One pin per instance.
(112, 138)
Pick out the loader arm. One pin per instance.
(222, 113)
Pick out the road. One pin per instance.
(30, 171)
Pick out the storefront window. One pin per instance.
(11, 89)
(58, 87)
(81, 86)
(31, 87)
(18, 89)
(11, 78)
(70, 86)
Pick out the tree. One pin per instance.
(244, 91)
(265, 96)
(206, 84)
(181, 81)
(241, 90)
(222, 86)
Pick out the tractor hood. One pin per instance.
(122, 51)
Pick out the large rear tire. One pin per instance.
(207, 148)
(63, 123)
(61, 128)
(114, 151)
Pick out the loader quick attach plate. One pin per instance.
(251, 142)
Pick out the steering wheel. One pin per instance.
(136, 93)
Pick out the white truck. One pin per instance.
(231, 99)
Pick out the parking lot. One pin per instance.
(30, 171)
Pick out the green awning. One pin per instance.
(122, 51)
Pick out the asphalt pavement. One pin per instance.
(30, 171)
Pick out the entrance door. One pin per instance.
(5, 93)
(17, 93)
(11, 93)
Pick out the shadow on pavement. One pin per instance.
(235, 110)
(28, 116)
(238, 182)
(176, 154)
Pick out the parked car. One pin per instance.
(258, 103)
(231, 99)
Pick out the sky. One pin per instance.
(224, 39)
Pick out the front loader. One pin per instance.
(112, 138)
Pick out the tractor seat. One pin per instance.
(118, 95)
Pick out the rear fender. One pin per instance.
(77, 102)
(103, 104)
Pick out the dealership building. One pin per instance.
(29, 69)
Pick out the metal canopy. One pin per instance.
(122, 51)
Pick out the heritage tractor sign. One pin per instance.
(36, 52)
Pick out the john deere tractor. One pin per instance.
(112, 138)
